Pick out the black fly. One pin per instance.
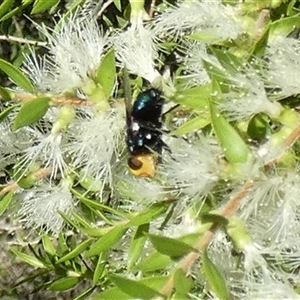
(144, 132)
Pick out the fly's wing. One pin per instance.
(127, 95)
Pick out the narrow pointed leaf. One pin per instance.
(191, 125)
(133, 288)
(107, 240)
(64, 284)
(106, 73)
(31, 260)
(195, 97)
(154, 262)
(234, 147)
(5, 94)
(169, 246)
(42, 5)
(137, 245)
(214, 278)
(148, 215)
(48, 245)
(113, 293)
(75, 252)
(31, 112)
(5, 201)
(7, 111)
(117, 3)
(154, 282)
(17, 76)
(99, 267)
(182, 283)
(5, 6)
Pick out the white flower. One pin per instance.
(272, 209)
(283, 65)
(194, 71)
(193, 168)
(266, 286)
(40, 206)
(95, 142)
(75, 52)
(140, 191)
(13, 142)
(46, 152)
(135, 49)
(284, 219)
(263, 196)
(211, 18)
(248, 97)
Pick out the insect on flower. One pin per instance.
(144, 134)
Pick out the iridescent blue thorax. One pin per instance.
(148, 107)
(144, 124)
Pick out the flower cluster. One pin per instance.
(225, 154)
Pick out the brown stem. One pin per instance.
(152, 8)
(229, 209)
(260, 23)
(41, 173)
(57, 100)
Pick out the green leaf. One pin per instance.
(229, 61)
(48, 245)
(62, 245)
(68, 220)
(5, 94)
(291, 9)
(191, 125)
(112, 293)
(137, 245)
(64, 284)
(234, 147)
(42, 5)
(31, 260)
(75, 252)
(258, 127)
(133, 288)
(11, 13)
(147, 215)
(169, 246)
(206, 37)
(195, 97)
(31, 112)
(100, 267)
(118, 5)
(219, 75)
(259, 48)
(154, 282)
(106, 73)
(5, 6)
(84, 295)
(97, 205)
(5, 201)
(154, 262)
(107, 240)
(17, 76)
(284, 26)
(214, 278)
(182, 283)
(214, 218)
